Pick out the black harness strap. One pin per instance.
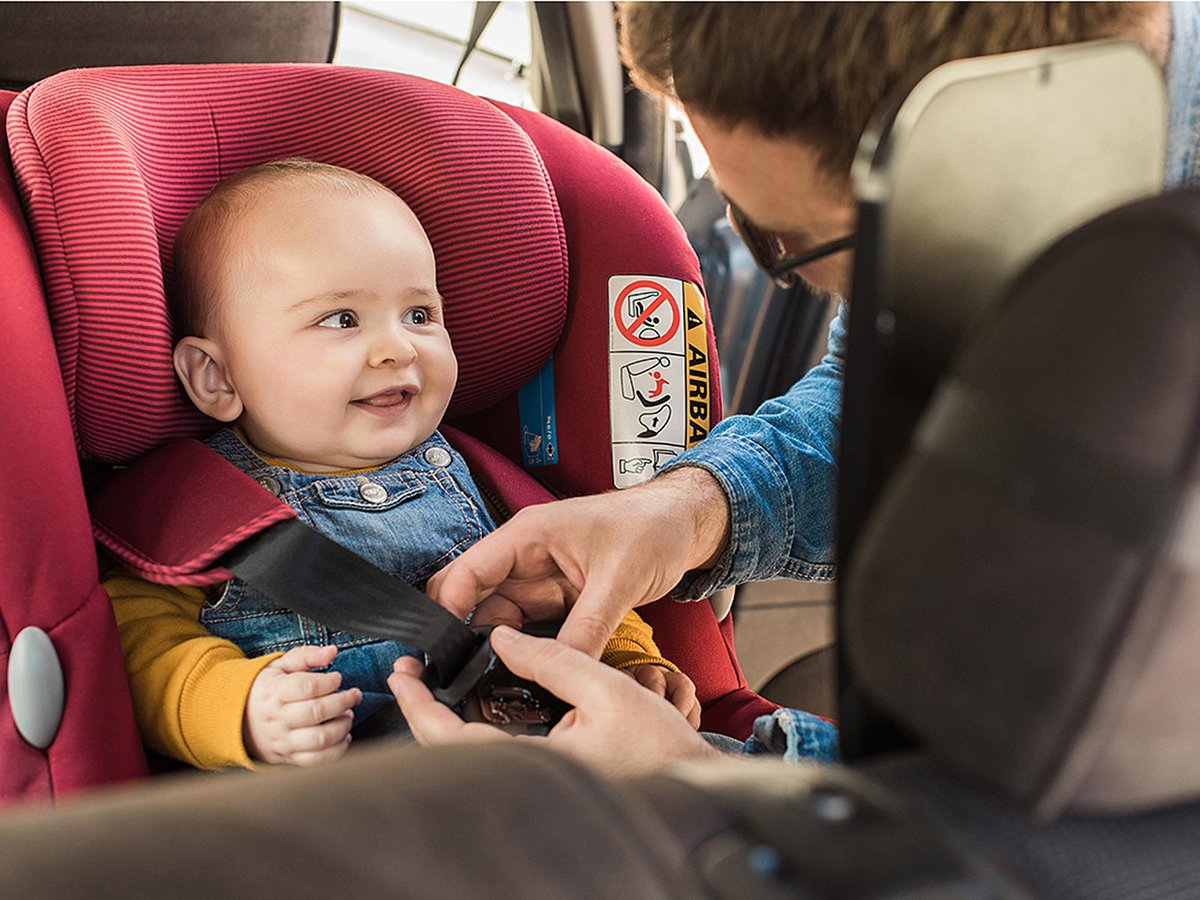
(305, 571)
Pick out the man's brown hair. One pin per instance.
(818, 71)
(207, 232)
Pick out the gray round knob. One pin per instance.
(438, 456)
(35, 687)
(373, 493)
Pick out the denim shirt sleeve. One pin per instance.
(794, 735)
(777, 467)
(791, 734)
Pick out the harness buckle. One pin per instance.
(485, 690)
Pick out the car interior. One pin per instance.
(1013, 622)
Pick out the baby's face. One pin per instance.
(332, 328)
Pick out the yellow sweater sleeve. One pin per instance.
(189, 687)
(632, 644)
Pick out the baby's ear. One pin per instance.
(200, 365)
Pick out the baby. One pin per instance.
(311, 323)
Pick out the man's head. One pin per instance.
(306, 300)
(780, 93)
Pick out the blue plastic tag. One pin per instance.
(539, 431)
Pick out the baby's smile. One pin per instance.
(390, 402)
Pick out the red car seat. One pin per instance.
(528, 221)
(46, 549)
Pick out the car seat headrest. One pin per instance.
(110, 161)
(40, 39)
(1026, 597)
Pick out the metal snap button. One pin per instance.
(438, 456)
(271, 483)
(373, 493)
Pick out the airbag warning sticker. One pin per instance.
(658, 384)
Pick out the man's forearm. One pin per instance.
(698, 498)
(776, 470)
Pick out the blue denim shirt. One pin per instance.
(778, 469)
(1183, 97)
(409, 517)
(778, 466)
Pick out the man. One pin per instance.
(779, 95)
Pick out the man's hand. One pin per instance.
(675, 687)
(299, 717)
(617, 727)
(594, 557)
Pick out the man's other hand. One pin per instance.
(591, 559)
(617, 726)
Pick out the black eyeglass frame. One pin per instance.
(781, 268)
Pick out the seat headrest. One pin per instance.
(110, 161)
(1026, 597)
(39, 39)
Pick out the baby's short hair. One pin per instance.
(192, 298)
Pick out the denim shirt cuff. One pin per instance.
(795, 735)
(760, 534)
(699, 584)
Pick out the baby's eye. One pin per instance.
(417, 316)
(341, 319)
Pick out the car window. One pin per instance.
(427, 39)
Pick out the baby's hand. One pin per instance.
(675, 686)
(299, 717)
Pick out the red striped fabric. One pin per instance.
(110, 161)
(46, 548)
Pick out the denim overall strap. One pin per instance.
(341, 575)
(229, 445)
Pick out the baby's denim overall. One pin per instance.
(409, 517)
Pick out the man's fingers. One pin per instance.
(498, 610)
(563, 671)
(408, 665)
(301, 659)
(305, 685)
(476, 574)
(602, 604)
(432, 722)
(588, 632)
(429, 720)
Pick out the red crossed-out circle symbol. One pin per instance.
(653, 304)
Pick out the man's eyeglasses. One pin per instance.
(770, 254)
